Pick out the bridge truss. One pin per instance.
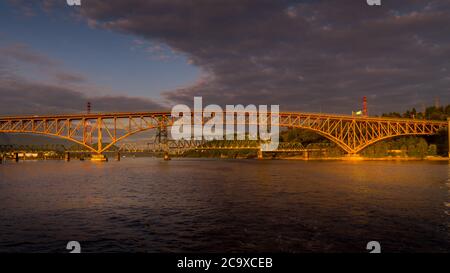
(99, 132)
(182, 146)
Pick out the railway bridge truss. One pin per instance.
(182, 146)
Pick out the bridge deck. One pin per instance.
(167, 113)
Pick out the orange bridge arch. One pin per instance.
(99, 132)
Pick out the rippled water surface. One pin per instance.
(196, 205)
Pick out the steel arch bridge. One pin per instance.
(100, 131)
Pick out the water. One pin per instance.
(199, 205)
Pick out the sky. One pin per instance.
(147, 55)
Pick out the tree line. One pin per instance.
(431, 113)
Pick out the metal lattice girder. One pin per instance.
(99, 132)
(355, 133)
(188, 145)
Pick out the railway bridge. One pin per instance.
(180, 147)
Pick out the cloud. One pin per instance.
(23, 53)
(154, 50)
(21, 96)
(58, 89)
(29, 8)
(65, 77)
(303, 55)
(19, 58)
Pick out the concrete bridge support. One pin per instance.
(260, 154)
(118, 156)
(16, 157)
(306, 154)
(67, 157)
(99, 158)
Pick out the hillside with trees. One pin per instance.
(430, 113)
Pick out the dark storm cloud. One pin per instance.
(304, 55)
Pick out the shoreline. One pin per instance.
(300, 158)
(361, 158)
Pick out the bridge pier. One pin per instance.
(260, 154)
(353, 156)
(118, 156)
(99, 157)
(306, 154)
(67, 157)
(16, 157)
